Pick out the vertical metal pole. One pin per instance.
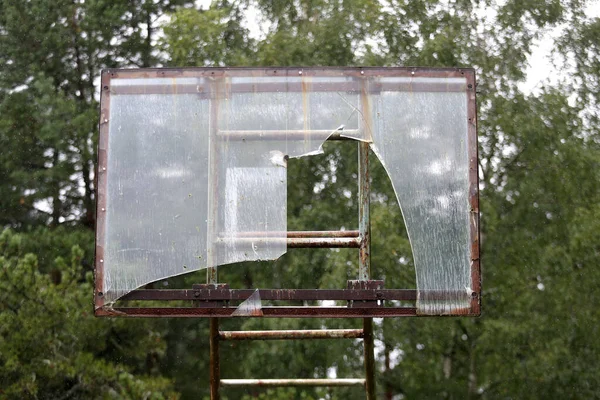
(215, 377)
(211, 271)
(364, 222)
(364, 262)
(213, 176)
(369, 358)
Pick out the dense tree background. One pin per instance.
(538, 336)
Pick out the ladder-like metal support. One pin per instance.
(364, 274)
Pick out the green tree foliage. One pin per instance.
(51, 54)
(539, 163)
(52, 347)
(213, 37)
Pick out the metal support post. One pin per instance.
(364, 261)
(211, 271)
(214, 359)
(369, 358)
(364, 222)
(213, 181)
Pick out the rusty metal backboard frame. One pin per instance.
(364, 297)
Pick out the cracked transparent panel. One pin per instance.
(257, 129)
(197, 171)
(421, 139)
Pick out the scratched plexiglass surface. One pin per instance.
(421, 139)
(198, 180)
(157, 177)
(256, 132)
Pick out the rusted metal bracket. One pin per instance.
(205, 302)
(373, 285)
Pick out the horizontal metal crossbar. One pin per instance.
(311, 234)
(292, 382)
(346, 134)
(291, 242)
(295, 234)
(226, 294)
(323, 242)
(267, 312)
(223, 294)
(292, 334)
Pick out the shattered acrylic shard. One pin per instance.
(251, 307)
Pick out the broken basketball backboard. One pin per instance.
(192, 175)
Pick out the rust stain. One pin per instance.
(306, 88)
(365, 102)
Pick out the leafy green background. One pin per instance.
(538, 336)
